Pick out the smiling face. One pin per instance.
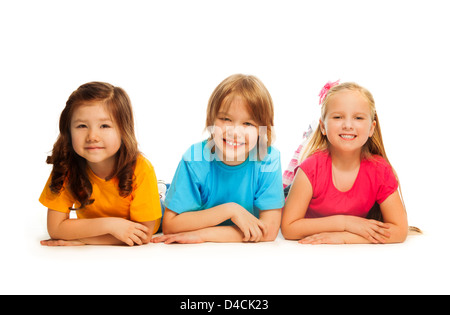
(95, 137)
(348, 122)
(235, 132)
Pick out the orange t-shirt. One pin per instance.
(141, 205)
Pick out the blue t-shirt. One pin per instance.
(202, 181)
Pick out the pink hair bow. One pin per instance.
(325, 90)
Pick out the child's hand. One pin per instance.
(253, 229)
(372, 230)
(181, 238)
(129, 232)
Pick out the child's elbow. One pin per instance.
(271, 220)
(403, 239)
(288, 232)
(59, 235)
(290, 237)
(399, 234)
(170, 223)
(271, 235)
(403, 235)
(54, 232)
(148, 238)
(167, 228)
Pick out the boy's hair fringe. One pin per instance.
(255, 95)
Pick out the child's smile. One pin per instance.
(233, 143)
(235, 133)
(347, 137)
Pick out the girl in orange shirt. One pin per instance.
(99, 172)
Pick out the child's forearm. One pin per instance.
(305, 227)
(99, 231)
(221, 234)
(225, 234)
(351, 238)
(195, 220)
(61, 227)
(271, 219)
(353, 229)
(102, 240)
(74, 229)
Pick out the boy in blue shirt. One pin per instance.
(229, 188)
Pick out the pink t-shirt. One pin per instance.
(374, 183)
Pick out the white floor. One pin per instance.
(418, 266)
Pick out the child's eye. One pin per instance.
(81, 126)
(248, 124)
(337, 117)
(105, 126)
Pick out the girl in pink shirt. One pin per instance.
(344, 177)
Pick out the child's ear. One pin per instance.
(372, 128)
(322, 127)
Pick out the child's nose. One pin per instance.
(347, 124)
(92, 136)
(235, 131)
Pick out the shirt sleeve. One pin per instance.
(270, 194)
(184, 192)
(61, 201)
(145, 205)
(309, 167)
(388, 183)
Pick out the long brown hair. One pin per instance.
(69, 168)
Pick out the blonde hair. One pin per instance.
(255, 95)
(319, 142)
(374, 146)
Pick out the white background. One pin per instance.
(169, 56)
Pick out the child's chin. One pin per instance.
(235, 157)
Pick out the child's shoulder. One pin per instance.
(379, 165)
(273, 152)
(377, 161)
(143, 165)
(269, 163)
(380, 171)
(272, 156)
(197, 159)
(197, 152)
(315, 163)
(142, 160)
(317, 158)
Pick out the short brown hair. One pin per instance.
(252, 91)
